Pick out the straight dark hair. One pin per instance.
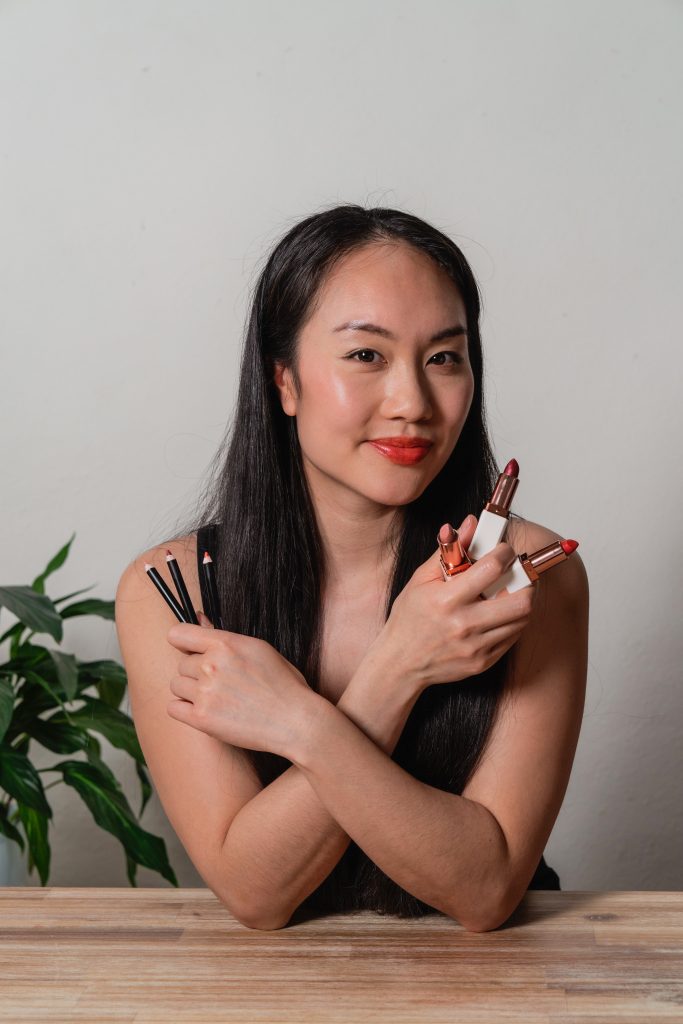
(269, 553)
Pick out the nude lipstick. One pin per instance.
(526, 569)
(404, 451)
(495, 514)
(453, 558)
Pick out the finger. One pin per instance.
(183, 687)
(503, 609)
(181, 710)
(501, 635)
(189, 666)
(188, 637)
(466, 530)
(468, 586)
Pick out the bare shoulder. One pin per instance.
(135, 585)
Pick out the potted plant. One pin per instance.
(49, 697)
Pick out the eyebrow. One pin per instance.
(362, 325)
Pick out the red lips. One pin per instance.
(404, 451)
(403, 441)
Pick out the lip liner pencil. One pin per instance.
(212, 589)
(168, 597)
(181, 588)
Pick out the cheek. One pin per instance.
(456, 402)
(335, 401)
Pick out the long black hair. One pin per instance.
(269, 554)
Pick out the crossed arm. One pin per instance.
(444, 849)
(470, 856)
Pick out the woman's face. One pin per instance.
(358, 385)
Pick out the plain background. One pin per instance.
(152, 152)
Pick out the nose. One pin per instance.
(406, 395)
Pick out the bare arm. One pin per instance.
(284, 841)
(470, 856)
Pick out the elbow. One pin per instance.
(262, 923)
(491, 913)
(485, 924)
(265, 922)
(498, 915)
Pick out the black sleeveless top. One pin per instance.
(544, 877)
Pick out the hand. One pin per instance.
(238, 689)
(442, 631)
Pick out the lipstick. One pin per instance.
(526, 569)
(453, 558)
(495, 514)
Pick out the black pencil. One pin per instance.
(212, 590)
(181, 588)
(165, 592)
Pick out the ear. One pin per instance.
(282, 378)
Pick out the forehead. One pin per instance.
(389, 281)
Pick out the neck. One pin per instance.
(357, 540)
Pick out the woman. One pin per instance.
(361, 734)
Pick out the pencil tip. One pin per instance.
(207, 557)
(148, 566)
(168, 554)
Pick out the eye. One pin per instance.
(457, 358)
(360, 352)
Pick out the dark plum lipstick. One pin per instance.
(493, 520)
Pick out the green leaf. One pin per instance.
(12, 633)
(109, 677)
(111, 811)
(28, 655)
(114, 725)
(145, 786)
(93, 750)
(74, 593)
(93, 606)
(35, 827)
(57, 735)
(67, 673)
(8, 829)
(19, 778)
(59, 559)
(131, 871)
(34, 610)
(6, 704)
(33, 677)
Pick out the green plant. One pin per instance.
(39, 687)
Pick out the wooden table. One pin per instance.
(168, 955)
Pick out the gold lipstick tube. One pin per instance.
(453, 558)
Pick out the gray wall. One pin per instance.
(151, 152)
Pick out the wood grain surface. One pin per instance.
(167, 955)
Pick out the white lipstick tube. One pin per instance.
(489, 532)
(493, 520)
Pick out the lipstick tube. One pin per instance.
(495, 514)
(453, 558)
(526, 569)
